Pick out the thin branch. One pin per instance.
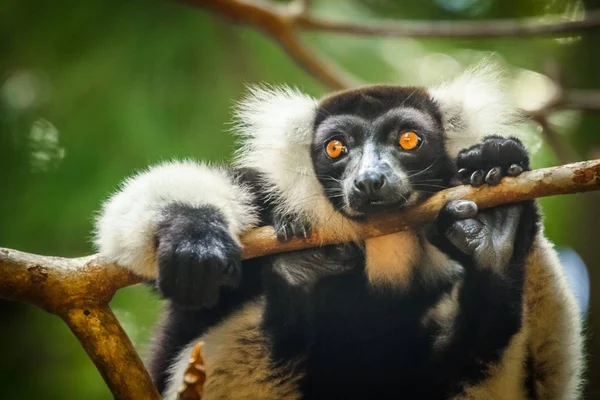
(579, 99)
(279, 23)
(561, 148)
(552, 26)
(284, 22)
(46, 282)
(316, 65)
(570, 178)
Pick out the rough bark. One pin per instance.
(78, 290)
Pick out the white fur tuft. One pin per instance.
(474, 105)
(128, 220)
(275, 125)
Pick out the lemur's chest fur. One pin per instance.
(389, 260)
(343, 317)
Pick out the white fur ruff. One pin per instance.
(275, 125)
(475, 105)
(128, 221)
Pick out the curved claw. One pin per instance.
(477, 178)
(494, 176)
(464, 175)
(305, 232)
(514, 170)
(286, 227)
(283, 233)
(461, 209)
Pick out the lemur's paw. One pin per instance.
(486, 235)
(289, 226)
(491, 160)
(196, 255)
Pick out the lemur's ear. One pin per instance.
(474, 105)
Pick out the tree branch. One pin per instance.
(54, 283)
(579, 99)
(561, 148)
(279, 22)
(570, 178)
(79, 289)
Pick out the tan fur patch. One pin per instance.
(238, 362)
(551, 332)
(444, 314)
(391, 258)
(436, 266)
(555, 342)
(506, 379)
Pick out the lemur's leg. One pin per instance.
(485, 309)
(179, 223)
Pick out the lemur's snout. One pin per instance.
(369, 184)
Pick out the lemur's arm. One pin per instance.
(484, 310)
(179, 223)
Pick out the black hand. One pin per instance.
(196, 255)
(486, 236)
(490, 236)
(491, 160)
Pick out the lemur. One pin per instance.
(472, 306)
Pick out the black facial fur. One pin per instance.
(196, 255)
(369, 122)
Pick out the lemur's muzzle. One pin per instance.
(370, 185)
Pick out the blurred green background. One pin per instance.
(90, 92)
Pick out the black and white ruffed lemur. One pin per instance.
(473, 306)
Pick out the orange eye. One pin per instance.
(409, 140)
(335, 148)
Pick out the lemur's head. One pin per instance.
(365, 150)
(379, 148)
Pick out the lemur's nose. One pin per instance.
(370, 183)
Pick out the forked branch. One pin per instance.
(79, 289)
(296, 15)
(285, 22)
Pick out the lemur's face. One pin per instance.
(379, 148)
